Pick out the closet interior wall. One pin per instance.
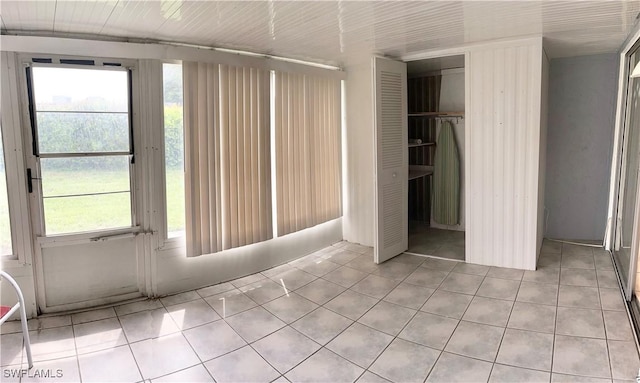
(423, 96)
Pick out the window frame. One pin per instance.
(32, 150)
(13, 139)
(178, 241)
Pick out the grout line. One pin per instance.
(356, 321)
(126, 338)
(513, 305)
(555, 319)
(77, 355)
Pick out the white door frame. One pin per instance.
(39, 240)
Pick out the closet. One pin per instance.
(435, 123)
(501, 153)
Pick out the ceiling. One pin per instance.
(332, 31)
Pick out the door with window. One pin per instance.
(626, 239)
(81, 177)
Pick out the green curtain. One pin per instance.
(446, 178)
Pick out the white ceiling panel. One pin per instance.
(231, 23)
(333, 31)
(87, 17)
(140, 19)
(28, 15)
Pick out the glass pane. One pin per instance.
(82, 132)
(85, 175)
(87, 213)
(629, 179)
(5, 224)
(73, 193)
(80, 89)
(174, 148)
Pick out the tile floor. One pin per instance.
(426, 240)
(346, 319)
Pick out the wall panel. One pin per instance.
(503, 147)
(70, 272)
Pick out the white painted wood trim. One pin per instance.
(163, 52)
(462, 49)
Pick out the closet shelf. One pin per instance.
(437, 114)
(419, 171)
(422, 144)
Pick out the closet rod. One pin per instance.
(449, 118)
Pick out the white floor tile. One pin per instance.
(113, 365)
(161, 356)
(565, 322)
(243, 365)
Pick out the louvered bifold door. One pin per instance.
(392, 169)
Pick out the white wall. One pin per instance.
(503, 139)
(359, 168)
(582, 93)
(176, 272)
(452, 100)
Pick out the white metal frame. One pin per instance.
(14, 165)
(165, 242)
(618, 166)
(23, 315)
(38, 238)
(621, 106)
(41, 224)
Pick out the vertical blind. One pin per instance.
(202, 176)
(245, 156)
(227, 153)
(307, 144)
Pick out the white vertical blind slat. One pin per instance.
(228, 177)
(200, 125)
(307, 151)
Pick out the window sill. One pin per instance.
(173, 243)
(94, 236)
(12, 263)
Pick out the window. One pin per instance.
(83, 147)
(5, 225)
(173, 149)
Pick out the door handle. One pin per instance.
(30, 179)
